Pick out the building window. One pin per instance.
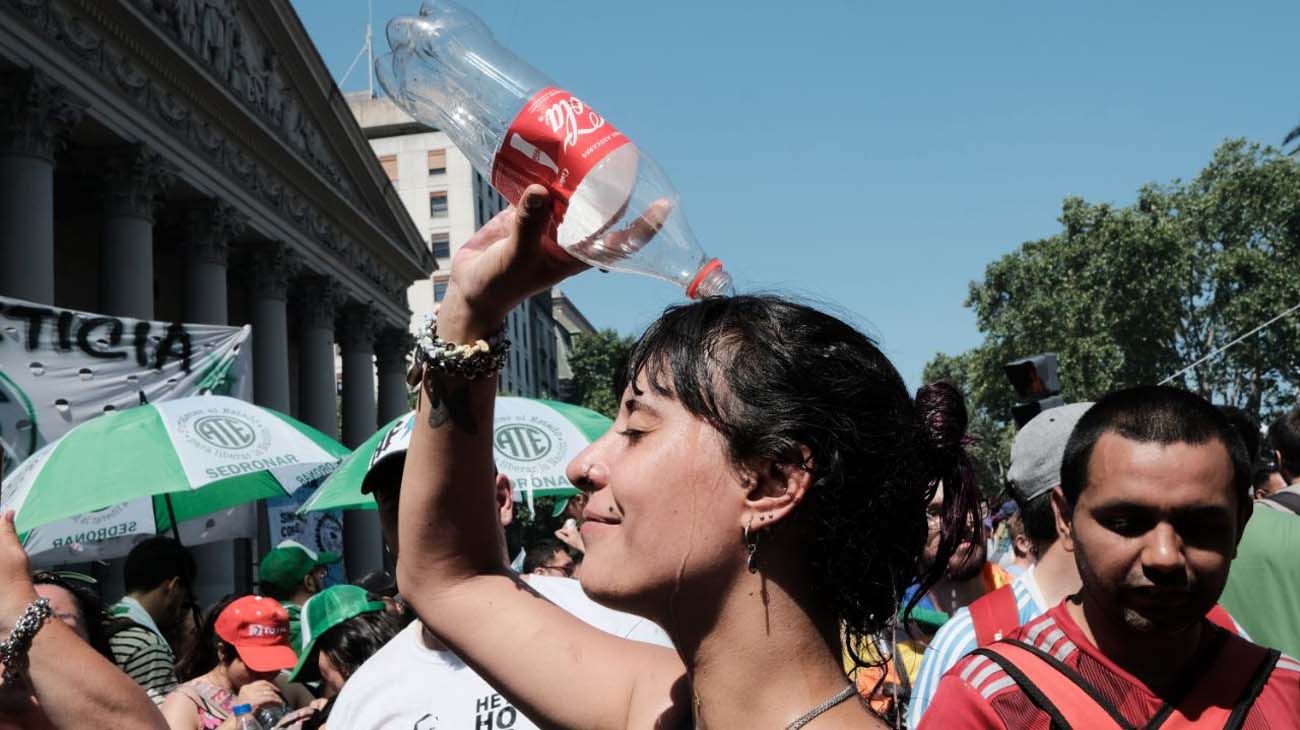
(437, 162)
(441, 245)
(439, 290)
(438, 205)
(389, 163)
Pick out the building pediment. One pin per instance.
(260, 55)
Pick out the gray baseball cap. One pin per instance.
(1039, 447)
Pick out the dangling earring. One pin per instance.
(750, 539)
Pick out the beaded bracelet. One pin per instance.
(13, 650)
(473, 361)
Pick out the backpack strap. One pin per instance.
(1290, 500)
(1054, 687)
(1226, 690)
(994, 614)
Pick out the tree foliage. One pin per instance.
(1133, 294)
(595, 360)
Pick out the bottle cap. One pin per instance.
(243, 710)
(710, 281)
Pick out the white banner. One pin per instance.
(60, 368)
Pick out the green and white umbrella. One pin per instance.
(532, 441)
(192, 456)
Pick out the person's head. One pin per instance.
(247, 637)
(1035, 470)
(755, 420)
(342, 627)
(1284, 435)
(75, 601)
(161, 572)
(1021, 546)
(1154, 495)
(384, 482)
(968, 559)
(549, 557)
(294, 572)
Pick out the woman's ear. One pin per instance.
(773, 490)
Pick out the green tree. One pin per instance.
(595, 360)
(1130, 295)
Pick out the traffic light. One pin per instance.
(1037, 385)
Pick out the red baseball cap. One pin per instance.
(258, 627)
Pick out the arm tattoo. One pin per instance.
(449, 402)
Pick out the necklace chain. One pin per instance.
(812, 714)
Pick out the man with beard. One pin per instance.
(1155, 492)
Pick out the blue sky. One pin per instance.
(874, 156)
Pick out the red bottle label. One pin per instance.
(555, 141)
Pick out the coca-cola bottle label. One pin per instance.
(555, 141)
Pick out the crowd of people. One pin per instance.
(773, 533)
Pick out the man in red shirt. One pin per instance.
(1154, 496)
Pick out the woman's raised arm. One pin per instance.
(556, 669)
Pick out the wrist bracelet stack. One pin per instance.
(13, 650)
(471, 362)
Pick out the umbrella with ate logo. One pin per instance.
(160, 464)
(532, 441)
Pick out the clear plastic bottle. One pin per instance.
(616, 208)
(244, 719)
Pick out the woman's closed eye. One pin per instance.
(631, 434)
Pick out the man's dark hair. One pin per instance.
(541, 553)
(1284, 435)
(156, 561)
(1040, 522)
(1152, 414)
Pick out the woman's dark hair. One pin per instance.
(89, 605)
(208, 649)
(774, 377)
(352, 642)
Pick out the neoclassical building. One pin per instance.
(193, 160)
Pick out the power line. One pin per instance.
(1219, 351)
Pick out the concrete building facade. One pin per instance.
(193, 161)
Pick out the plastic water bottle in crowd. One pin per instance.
(614, 206)
(244, 719)
(269, 715)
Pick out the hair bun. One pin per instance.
(942, 419)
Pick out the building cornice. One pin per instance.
(122, 50)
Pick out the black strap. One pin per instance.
(1074, 676)
(1290, 500)
(1030, 689)
(1251, 694)
(1202, 662)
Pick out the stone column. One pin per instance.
(269, 270)
(134, 176)
(363, 541)
(35, 114)
(392, 354)
(317, 300)
(209, 228)
(357, 339)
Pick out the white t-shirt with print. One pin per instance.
(408, 686)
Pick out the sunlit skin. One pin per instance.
(1153, 534)
(658, 471)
